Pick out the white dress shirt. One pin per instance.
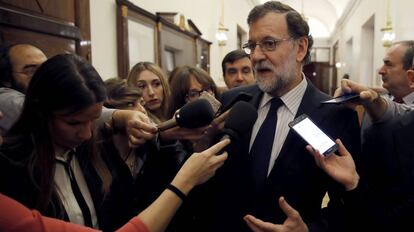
(285, 114)
(65, 192)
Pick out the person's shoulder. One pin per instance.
(9, 91)
(11, 97)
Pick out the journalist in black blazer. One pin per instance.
(387, 174)
(279, 45)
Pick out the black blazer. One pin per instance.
(387, 171)
(15, 182)
(294, 174)
(129, 194)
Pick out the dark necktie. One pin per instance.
(262, 146)
(76, 191)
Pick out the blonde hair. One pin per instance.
(148, 66)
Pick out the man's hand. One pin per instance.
(341, 168)
(293, 222)
(373, 103)
(179, 133)
(138, 126)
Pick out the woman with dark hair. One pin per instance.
(48, 159)
(122, 96)
(140, 173)
(187, 83)
(199, 168)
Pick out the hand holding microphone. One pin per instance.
(189, 123)
(192, 115)
(239, 121)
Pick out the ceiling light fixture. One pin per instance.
(221, 34)
(388, 35)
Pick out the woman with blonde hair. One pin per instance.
(151, 80)
(156, 93)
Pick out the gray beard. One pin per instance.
(272, 87)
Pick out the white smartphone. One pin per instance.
(314, 136)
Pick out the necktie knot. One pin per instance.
(275, 103)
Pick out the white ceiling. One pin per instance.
(322, 15)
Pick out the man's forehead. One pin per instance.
(395, 53)
(270, 25)
(25, 51)
(244, 61)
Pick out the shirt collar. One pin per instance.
(409, 99)
(66, 156)
(291, 99)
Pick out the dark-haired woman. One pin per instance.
(48, 160)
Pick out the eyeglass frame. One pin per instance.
(198, 92)
(248, 50)
(28, 70)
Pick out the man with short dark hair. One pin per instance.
(260, 171)
(18, 63)
(237, 69)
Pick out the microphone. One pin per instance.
(240, 121)
(194, 114)
(242, 96)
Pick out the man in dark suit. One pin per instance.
(382, 199)
(387, 168)
(279, 45)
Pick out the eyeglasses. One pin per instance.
(28, 70)
(267, 45)
(197, 93)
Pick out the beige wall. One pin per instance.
(351, 28)
(204, 13)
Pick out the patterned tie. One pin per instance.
(262, 145)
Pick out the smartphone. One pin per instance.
(314, 136)
(342, 99)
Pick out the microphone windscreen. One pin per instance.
(241, 119)
(195, 114)
(242, 96)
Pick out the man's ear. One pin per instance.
(302, 49)
(410, 78)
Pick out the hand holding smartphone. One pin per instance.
(342, 99)
(314, 136)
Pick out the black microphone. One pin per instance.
(194, 114)
(242, 96)
(240, 121)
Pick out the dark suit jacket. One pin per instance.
(387, 173)
(294, 175)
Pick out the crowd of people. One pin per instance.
(82, 154)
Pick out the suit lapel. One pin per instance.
(309, 105)
(255, 101)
